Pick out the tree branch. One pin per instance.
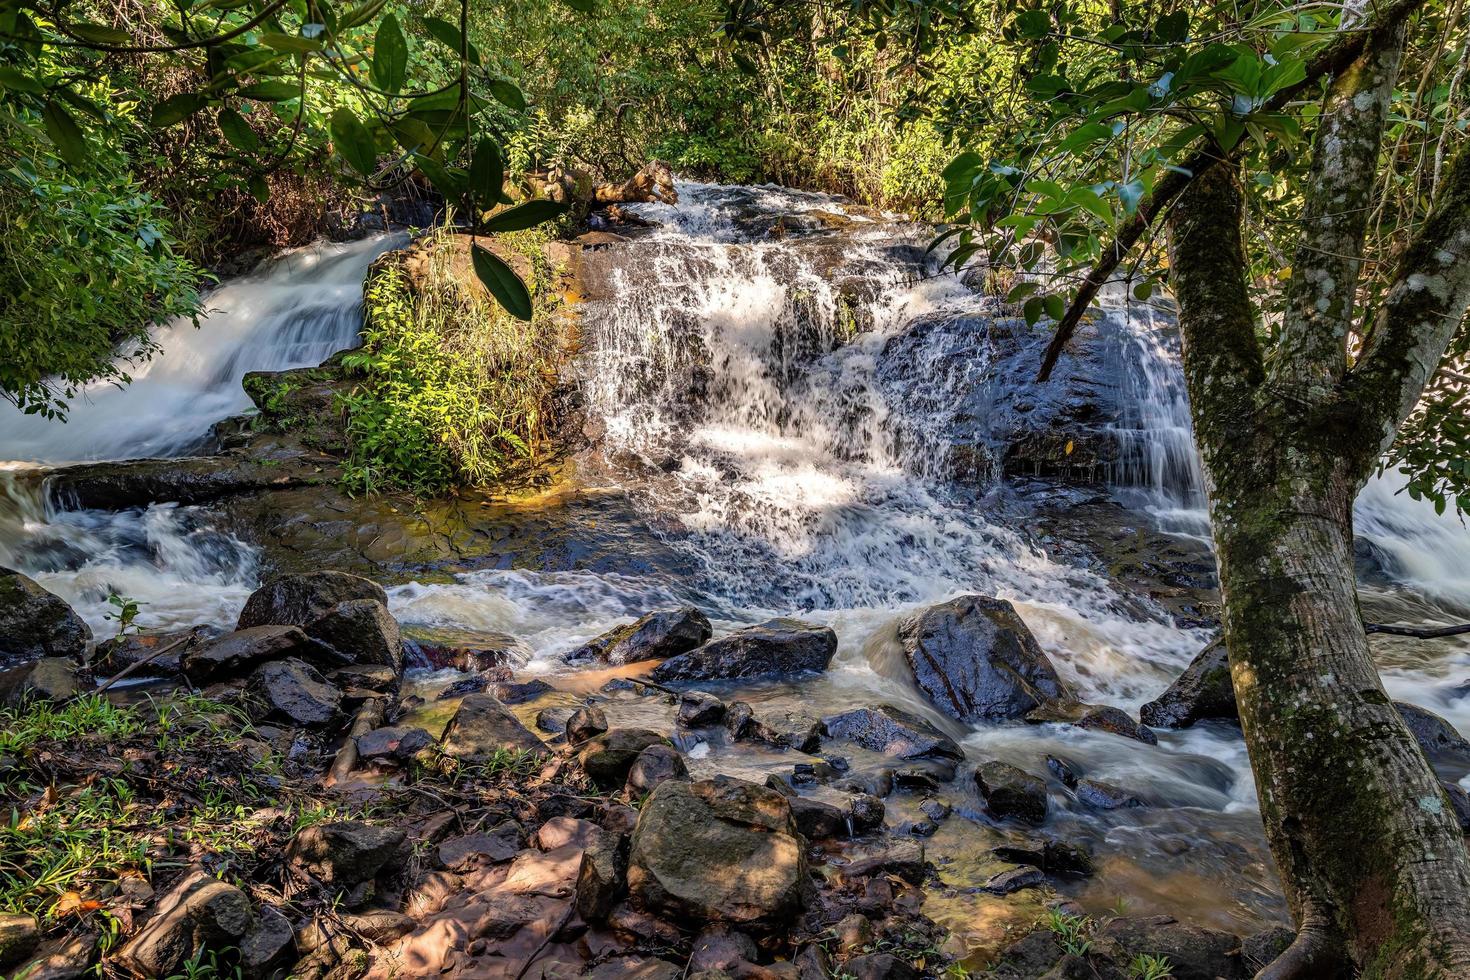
(1335, 58)
(1418, 632)
(1311, 355)
(1423, 308)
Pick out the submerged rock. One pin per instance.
(721, 850)
(1095, 717)
(976, 660)
(35, 623)
(1203, 691)
(775, 648)
(483, 727)
(893, 732)
(656, 636)
(1107, 796)
(298, 599)
(1012, 792)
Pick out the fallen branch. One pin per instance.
(368, 717)
(1418, 632)
(139, 663)
(1337, 56)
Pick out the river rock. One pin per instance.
(656, 636)
(893, 732)
(1106, 796)
(601, 878)
(654, 765)
(585, 723)
(483, 727)
(608, 758)
(817, 820)
(778, 647)
(720, 850)
(398, 742)
(1014, 879)
(554, 720)
(35, 623)
(1204, 691)
(360, 631)
(1094, 717)
(867, 812)
(19, 937)
(1439, 739)
(200, 912)
(346, 853)
(1193, 952)
(157, 654)
(976, 660)
(268, 945)
(724, 949)
(904, 859)
(698, 709)
(298, 599)
(501, 843)
(294, 691)
(1012, 792)
(1056, 857)
(241, 651)
(47, 679)
(878, 966)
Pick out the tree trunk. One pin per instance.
(1370, 853)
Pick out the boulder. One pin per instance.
(608, 759)
(654, 765)
(1204, 691)
(200, 912)
(347, 853)
(243, 650)
(1012, 792)
(1439, 739)
(47, 679)
(35, 623)
(298, 599)
(360, 631)
(585, 723)
(698, 709)
(721, 850)
(1106, 796)
(397, 742)
(294, 691)
(1193, 952)
(483, 727)
(778, 647)
(601, 878)
(976, 660)
(893, 732)
(817, 820)
(656, 636)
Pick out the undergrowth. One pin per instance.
(454, 390)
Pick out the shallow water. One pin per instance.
(773, 468)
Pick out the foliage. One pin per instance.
(1073, 932)
(454, 389)
(1147, 966)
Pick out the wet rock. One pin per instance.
(1066, 771)
(1436, 736)
(482, 727)
(879, 966)
(936, 810)
(608, 759)
(367, 677)
(874, 782)
(976, 660)
(790, 730)
(200, 912)
(1106, 796)
(778, 647)
(522, 691)
(293, 691)
(243, 650)
(585, 723)
(1014, 879)
(473, 684)
(19, 937)
(159, 654)
(269, 944)
(817, 820)
(654, 765)
(904, 860)
(718, 850)
(601, 878)
(635, 968)
(501, 843)
(1202, 692)
(739, 716)
(397, 742)
(553, 721)
(35, 623)
(867, 813)
(1012, 792)
(346, 853)
(698, 709)
(1100, 717)
(656, 636)
(298, 599)
(1055, 857)
(360, 631)
(1194, 953)
(47, 679)
(925, 776)
(722, 948)
(1459, 802)
(893, 732)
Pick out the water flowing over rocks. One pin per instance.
(655, 636)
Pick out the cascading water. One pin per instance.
(294, 312)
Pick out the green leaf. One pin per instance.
(487, 174)
(177, 108)
(1033, 23)
(1056, 305)
(507, 94)
(1020, 291)
(99, 34)
(360, 14)
(390, 56)
(1142, 291)
(259, 189)
(524, 216)
(449, 183)
(237, 131)
(290, 42)
(65, 133)
(1172, 28)
(353, 142)
(18, 81)
(274, 91)
(448, 35)
(1033, 309)
(1084, 135)
(507, 288)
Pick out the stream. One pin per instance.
(781, 440)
